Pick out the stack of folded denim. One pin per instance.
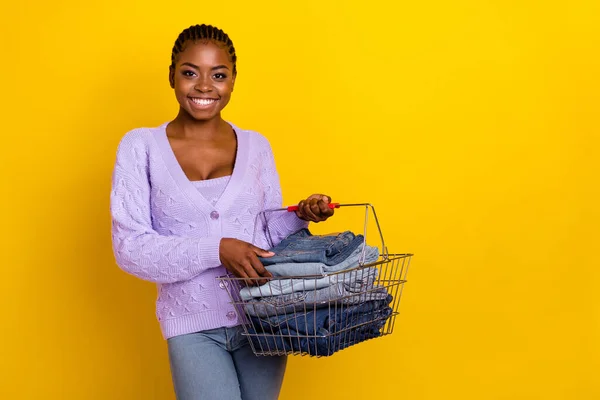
(321, 331)
(320, 302)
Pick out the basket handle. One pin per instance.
(295, 208)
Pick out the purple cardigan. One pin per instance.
(164, 231)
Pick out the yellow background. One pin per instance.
(471, 125)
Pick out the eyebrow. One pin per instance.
(197, 67)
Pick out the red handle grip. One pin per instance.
(331, 205)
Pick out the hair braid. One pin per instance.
(204, 32)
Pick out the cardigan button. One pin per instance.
(214, 215)
(231, 315)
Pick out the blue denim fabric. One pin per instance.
(357, 279)
(302, 247)
(314, 268)
(333, 296)
(317, 346)
(322, 331)
(219, 364)
(338, 293)
(322, 321)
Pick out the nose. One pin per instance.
(203, 85)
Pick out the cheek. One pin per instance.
(226, 88)
(182, 88)
(183, 82)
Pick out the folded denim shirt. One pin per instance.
(304, 247)
(315, 268)
(356, 279)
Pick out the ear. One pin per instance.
(172, 77)
(233, 82)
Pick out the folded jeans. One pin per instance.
(315, 345)
(325, 320)
(302, 246)
(295, 269)
(331, 296)
(321, 332)
(356, 279)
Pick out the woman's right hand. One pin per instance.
(241, 259)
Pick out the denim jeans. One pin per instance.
(338, 293)
(322, 331)
(355, 279)
(290, 340)
(324, 321)
(302, 246)
(315, 268)
(218, 364)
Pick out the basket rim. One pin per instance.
(383, 260)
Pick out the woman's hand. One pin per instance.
(241, 259)
(315, 208)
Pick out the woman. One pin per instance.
(184, 203)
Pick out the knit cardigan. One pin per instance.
(164, 231)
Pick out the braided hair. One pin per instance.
(204, 33)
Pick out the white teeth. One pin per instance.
(203, 102)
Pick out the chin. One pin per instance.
(200, 116)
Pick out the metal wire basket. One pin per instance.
(319, 315)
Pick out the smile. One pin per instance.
(203, 102)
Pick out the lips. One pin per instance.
(203, 102)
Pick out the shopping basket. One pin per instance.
(319, 315)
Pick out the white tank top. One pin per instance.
(212, 189)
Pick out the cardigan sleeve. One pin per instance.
(139, 250)
(277, 225)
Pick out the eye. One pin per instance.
(220, 76)
(188, 73)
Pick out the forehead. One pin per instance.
(204, 53)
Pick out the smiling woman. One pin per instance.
(202, 72)
(185, 196)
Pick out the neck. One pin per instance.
(184, 126)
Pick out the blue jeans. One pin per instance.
(328, 320)
(310, 269)
(290, 340)
(356, 280)
(218, 364)
(302, 246)
(321, 331)
(313, 299)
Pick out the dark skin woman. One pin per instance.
(183, 205)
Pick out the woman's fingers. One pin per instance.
(324, 209)
(252, 276)
(315, 208)
(306, 207)
(260, 270)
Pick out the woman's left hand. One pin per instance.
(315, 208)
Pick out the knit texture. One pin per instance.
(212, 189)
(165, 231)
